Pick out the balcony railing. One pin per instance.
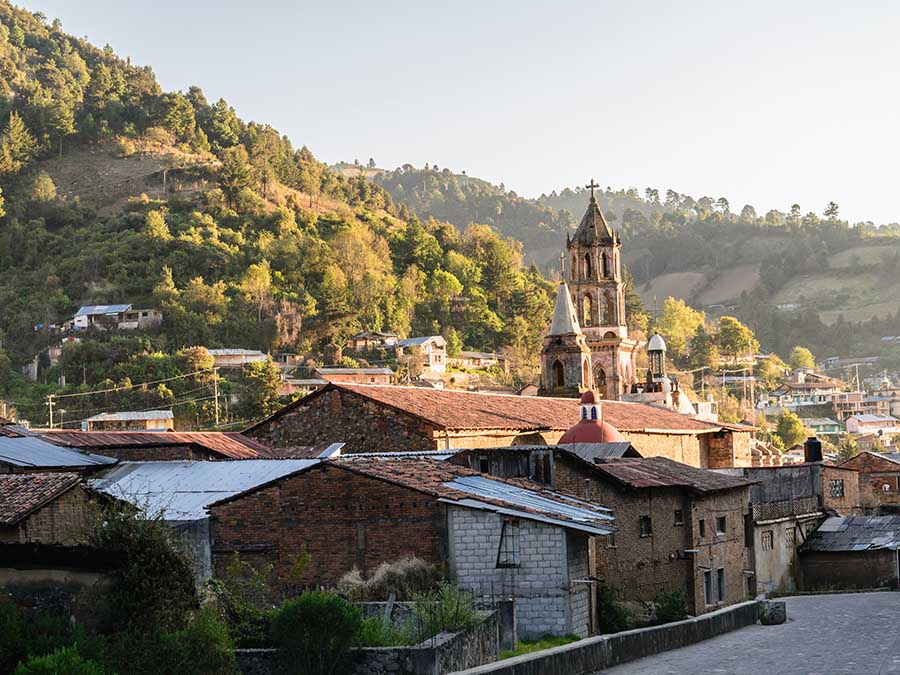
(785, 508)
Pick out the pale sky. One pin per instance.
(769, 103)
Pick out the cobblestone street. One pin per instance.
(829, 634)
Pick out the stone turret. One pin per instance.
(565, 358)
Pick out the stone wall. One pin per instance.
(547, 600)
(830, 570)
(444, 653)
(61, 521)
(152, 454)
(341, 519)
(597, 653)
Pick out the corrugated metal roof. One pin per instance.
(855, 533)
(663, 472)
(31, 451)
(354, 371)
(874, 418)
(182, 489)
(235, 352)
(90, 310)
(418, 341)
(226, 443)
(133, 416)
(569, 511)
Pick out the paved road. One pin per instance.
(855, 633)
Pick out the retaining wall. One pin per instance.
(596, 653)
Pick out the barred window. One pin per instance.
(508, 555)
(767, 540)
(646, 526)
(789, 536)
(835, 488)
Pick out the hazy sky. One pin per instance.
(769, 103)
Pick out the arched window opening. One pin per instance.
(587, 311)
(611, 311)
(600, 382)
(574, 271)
(593, 412)
(604, 265)
(588, 272)
(559, 374)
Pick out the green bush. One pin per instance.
(374, 633)
(12, 631)
(204, 647)
(315, 633)
(447, 608)
(242, 596)
(65, 661)
(671, 606)
(612, 614)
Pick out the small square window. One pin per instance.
(835, 488)
(679, 517)
(720, 525)
(701, 526)
(508, 555)
(646, 526)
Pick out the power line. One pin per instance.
(131, 386)
(167, 405)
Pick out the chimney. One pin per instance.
(812, 450)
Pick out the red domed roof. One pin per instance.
(592, 431)
(588, 397)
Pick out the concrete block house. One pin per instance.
(506, 538)
(391, 418)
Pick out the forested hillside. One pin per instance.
(795, 277)
(116, 191)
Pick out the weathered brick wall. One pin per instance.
(850, 503)
(684, 448)
(720, 550)
(343, 520)
(338, 416)
(874, 473)
(542, 584)
(62, 521)
(155, 454)
(729, 448)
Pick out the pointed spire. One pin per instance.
(593, 228)
(565, 321)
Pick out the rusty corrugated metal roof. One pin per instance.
(651, 472)
(229, 444)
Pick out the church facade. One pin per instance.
(588, 346)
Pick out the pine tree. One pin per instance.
(16, 146)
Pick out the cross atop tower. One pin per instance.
(592, 185)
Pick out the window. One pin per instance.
(767, 540)
(508, 555)
(720, 583)
(646, 526)
(720, 525)
(611, 540)
(484, 466)
(835, 488)
(587, 489)
(701, 525)
(789, 537)
(679, 517)
(707, 587)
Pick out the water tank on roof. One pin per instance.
(812, 450)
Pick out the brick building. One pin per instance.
(161, 446)
(879, 481)
(43, 508)
(383, 419)
(492, 536)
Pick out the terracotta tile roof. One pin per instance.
(22, 493)
(451, 409)
(662, 472)
(232, 445)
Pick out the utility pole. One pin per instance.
(216, 392)
(50, 406)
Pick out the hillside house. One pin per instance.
(879, 425)
(114, 317)
(823, 426)
(368, 340)
(478, 360)
(858, 403)
(490, 536)
(356, 375)
(145, 420)
(386, 419)
(879, 481)
(236, 357)
(429, 351)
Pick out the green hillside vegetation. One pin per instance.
(835, 282)
(116, 191)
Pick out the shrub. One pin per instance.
(612, 613)
(374, 633)
(65, 661)
(671, 606)
(125, 148)
(406, 578)
(154, 590)
(11, 635)
(447, 608)
(315, 633)
(242, 596)
(204, 647)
